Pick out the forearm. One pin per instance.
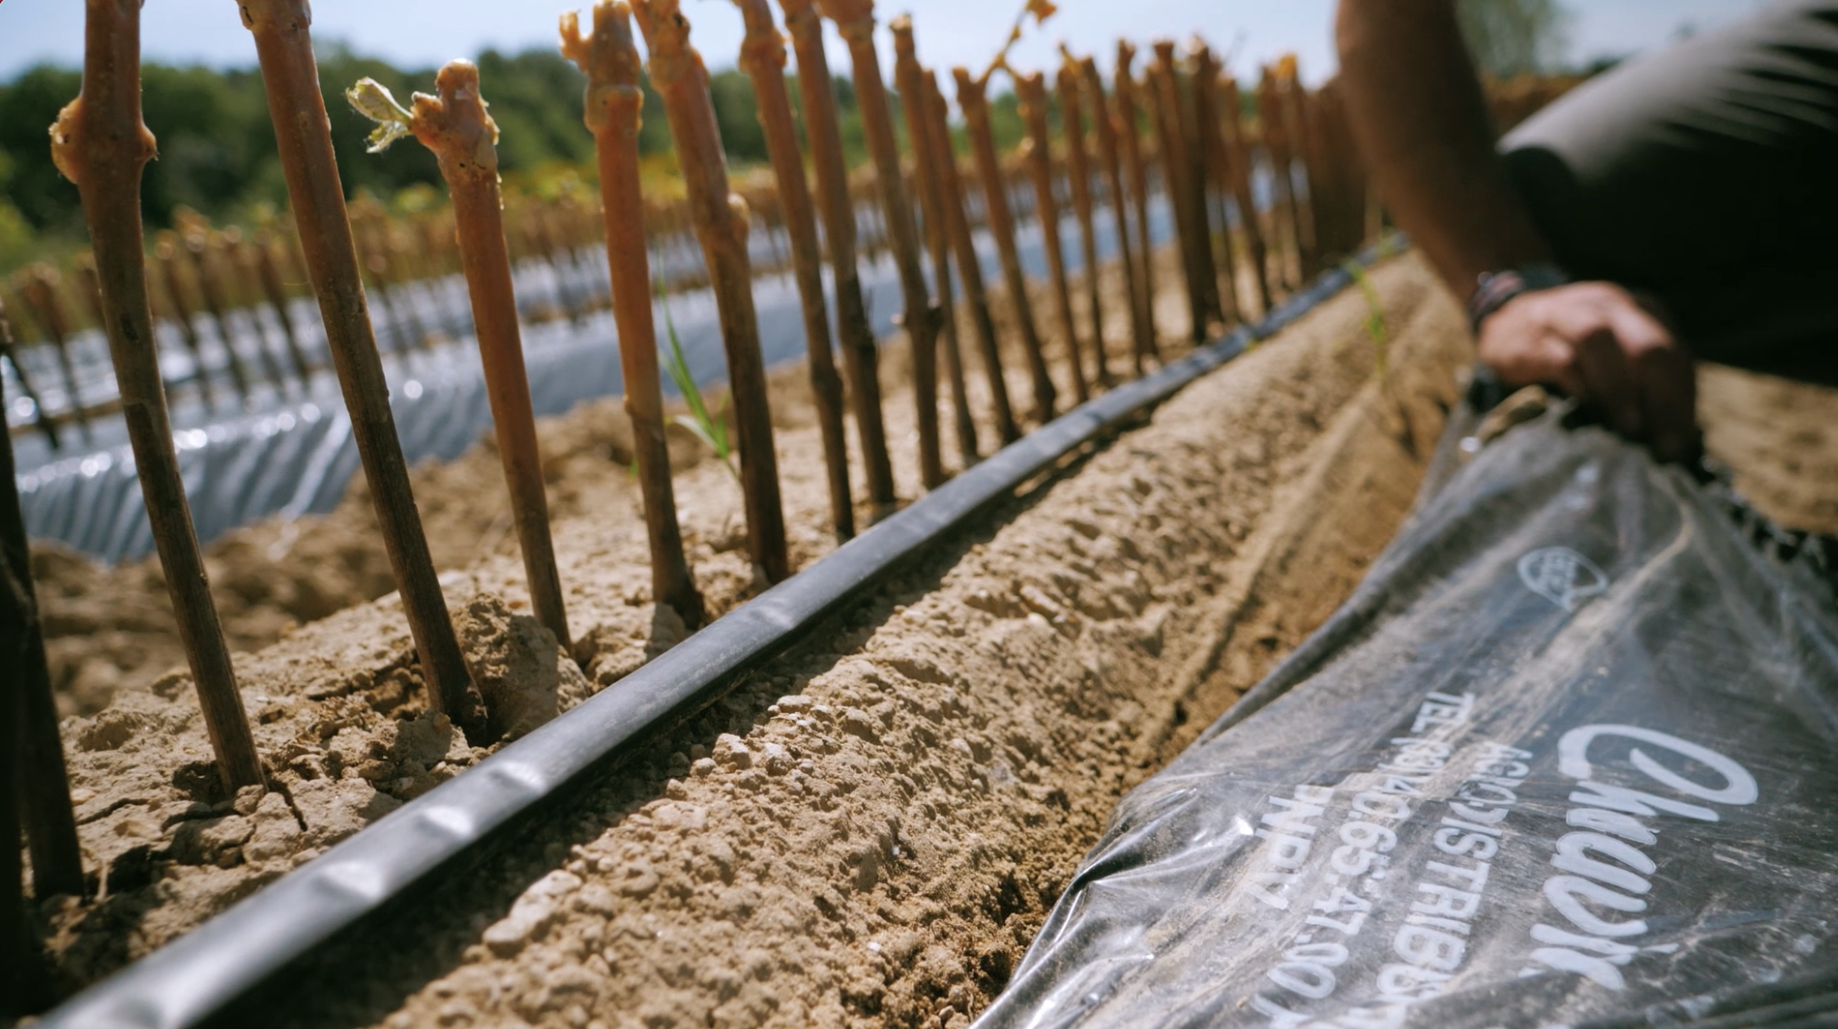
(1422, 123)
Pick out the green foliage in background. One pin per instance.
(1516, 37)
(16, 237)
(217, 153)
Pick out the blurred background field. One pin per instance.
(204, 99)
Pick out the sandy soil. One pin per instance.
(112, 628)
(870, 833)
(328, 676)
(1781, 439)
(869, 830)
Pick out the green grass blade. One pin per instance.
(1375, 319)
(711, 429)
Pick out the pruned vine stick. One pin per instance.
(92, 287)
(763, 58)
(610, 61)
(165, 253)
(862, 189)
(1286, 213)
(973, 100)
(1328, 176)
(370, 273)
(16, 949)
(1344, 221)
(677, 72)
(1297, 117)
(1031, 88)
(92, 290)
(196, 246)
(237, 262)
(28, 793)
(284, 46)
(101, 144)
(860, 358)
(268, 275)
(855, 20)
(1180, 172)
(969, 265)
(35, 752)
(1240, 169)
(1307, 145)
(910, 78)
(455, 126)
(41, 293)
(1148, 341)
(1071, 87)
(440, 236)
(1110, 161)
(37, 797)
(1212, 168)
(22, 984)
(561, 257)
(1173, 166)
(9, 350)
(404, 326)
(240, 255)
(396, 255)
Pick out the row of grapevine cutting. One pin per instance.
(232, 304)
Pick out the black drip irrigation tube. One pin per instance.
(186, 982)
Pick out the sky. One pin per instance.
(426, 33)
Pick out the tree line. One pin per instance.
(217, 153)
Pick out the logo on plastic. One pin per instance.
(1562, 576)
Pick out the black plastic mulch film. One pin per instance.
(1565, 759)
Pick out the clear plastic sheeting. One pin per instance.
(1566, 758)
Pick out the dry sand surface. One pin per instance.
(327, 670)
(876, 846)
(1781, 439)
(865, 832)
(112, 628)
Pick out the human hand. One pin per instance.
(1598, 343)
